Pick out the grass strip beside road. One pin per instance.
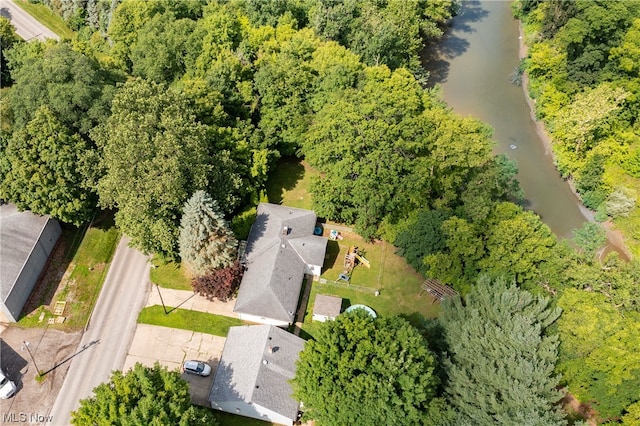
(46, 17)
(185, 319)
(87, 259)
(169, 274)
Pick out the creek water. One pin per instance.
(473, 64)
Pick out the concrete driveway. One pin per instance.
(171, 347)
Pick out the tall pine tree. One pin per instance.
(206, 241)
(499, 363)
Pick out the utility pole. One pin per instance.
(26, 345)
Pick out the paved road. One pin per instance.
(110, 331)
(27, 26)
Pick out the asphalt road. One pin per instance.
(104, 346)
(26, 26)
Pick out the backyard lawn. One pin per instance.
(398, 283)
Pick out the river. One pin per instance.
(473, 63)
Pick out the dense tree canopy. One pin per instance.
(586, 87)
(8, 38)
(599, 357)
(154, 157)
(499, 360)
(366, 371)
(144, 396)
(69, 83)
(46, 169)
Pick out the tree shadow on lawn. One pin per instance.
(286, 175)
(331, 255)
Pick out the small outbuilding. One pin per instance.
(252, 378)
(26, 241)
(326, 307)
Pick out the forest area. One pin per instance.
(154, 104)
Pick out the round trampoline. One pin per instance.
(367, 309)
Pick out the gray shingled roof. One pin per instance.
(328, 306)
(275, 261)
(242, 374)
(19, 233)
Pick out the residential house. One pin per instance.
(252, 378)
(281, 250)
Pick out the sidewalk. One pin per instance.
(185, 299)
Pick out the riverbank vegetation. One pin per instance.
(584, 76)
(583, 70)
(151, 101)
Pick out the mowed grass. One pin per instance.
(185, 319)
(289, 183)
(46, 17)
(397, 282)
(169, 274)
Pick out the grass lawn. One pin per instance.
(397, 282)
(188, 320)
(84, 276)
(170, 274)
(46, 17)
(289, 183)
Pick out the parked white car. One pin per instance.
(7, 387)
(197, 367)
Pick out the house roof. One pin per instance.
(256, 365)
(328, 306)
(19, 233)
(281, 243)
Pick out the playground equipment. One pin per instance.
(350, 258)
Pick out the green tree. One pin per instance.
(206, 241)
(154, 156)
(164, 48)
(144, 396)
(423, 236)
(70, 84)
(47, 170)
(366, 371)
(8, 38)
(458, 265)
(284, 79)
(382, 32)
(517, 242)
(599, 358)
(590, 238)
(499, 360)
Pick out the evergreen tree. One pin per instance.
(499, 363)
(206, 241)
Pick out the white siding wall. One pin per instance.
(263, 320)
(242, 408)
(314, 270)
